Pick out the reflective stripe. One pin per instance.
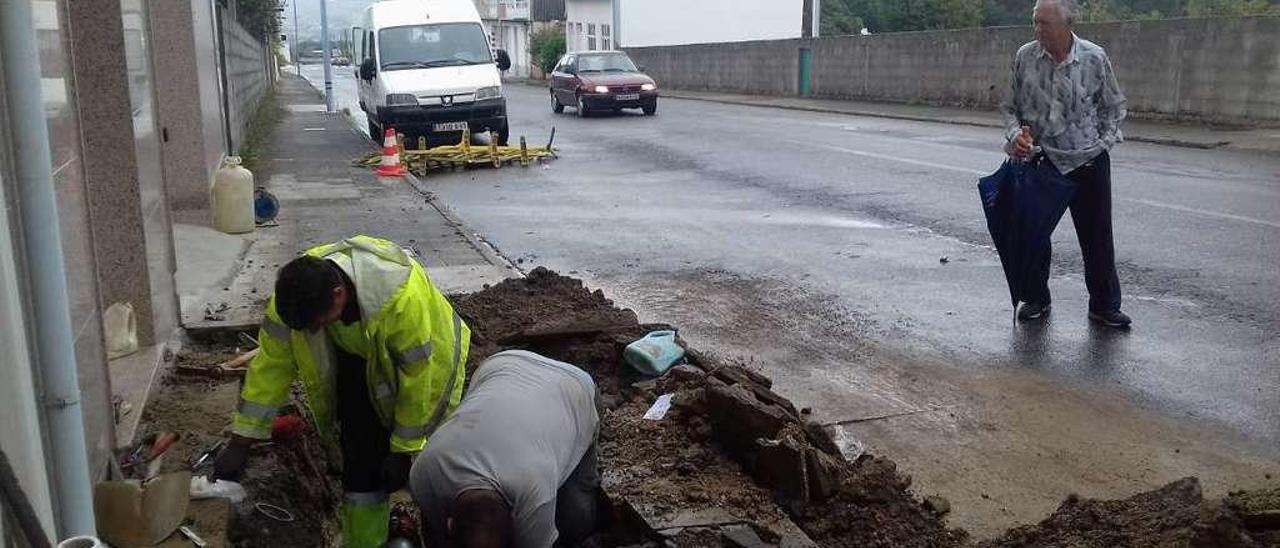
(383, 391)
(411, 432)
(438, 416)
(257, 410)
(365, 498)
(278, 331)
(421, 353)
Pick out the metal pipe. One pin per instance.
(46, 279)
(297, 49)
(328, 66)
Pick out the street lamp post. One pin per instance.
(297, 48)
(328, 66)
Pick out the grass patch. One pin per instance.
(257, 141)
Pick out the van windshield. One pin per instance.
(439, 45)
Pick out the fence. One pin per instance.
(1221, 69)
(248, 66)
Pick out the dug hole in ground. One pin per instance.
(730, 464)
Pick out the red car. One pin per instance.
(601, 81)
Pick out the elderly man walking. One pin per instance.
(1065, 100)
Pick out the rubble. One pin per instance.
(732, 463)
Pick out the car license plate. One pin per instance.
(627, 97)
(450, 126)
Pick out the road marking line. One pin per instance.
(896, 159)
(1152, 203)
(1226, 216)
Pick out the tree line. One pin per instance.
(876, 16)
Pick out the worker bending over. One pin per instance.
(516, 463)
(380, 354)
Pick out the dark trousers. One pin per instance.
(366, 444)
(577, 501)
(1091, 214)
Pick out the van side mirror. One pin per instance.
(368, 69)
(504, 60)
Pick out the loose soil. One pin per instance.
(291, 474)
(1174, 515)
(663, 476)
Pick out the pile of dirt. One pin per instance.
(1174, 515)
(292, 474)
(675, 472)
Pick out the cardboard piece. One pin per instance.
(135, 514)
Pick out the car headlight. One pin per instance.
(648, 87)
(492, 92)
(397, 99)
(602, 89)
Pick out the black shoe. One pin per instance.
(1032, 311)
(1113, 318)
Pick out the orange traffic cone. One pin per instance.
(390, 165)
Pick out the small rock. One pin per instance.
(937, 505)
(806, 411)
(944, 259)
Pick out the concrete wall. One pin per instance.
(670, 22)
(766, 67)
(1213, 69)
(203, 116)
(248, 69)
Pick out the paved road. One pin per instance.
(813, 245)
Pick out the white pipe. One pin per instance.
(46, 271)
(328, 65)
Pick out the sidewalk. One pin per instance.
(1146, 131)
(224, 281)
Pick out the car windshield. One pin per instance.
(614, 62)
(426, 46)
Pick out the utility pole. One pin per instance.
(328, 66)
(297, 49)
(817, 18)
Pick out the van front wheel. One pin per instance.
(504, 133)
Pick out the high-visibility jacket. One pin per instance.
(415, 362)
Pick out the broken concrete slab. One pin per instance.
(739, 417)
(780, 465)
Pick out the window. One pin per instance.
(424, 46)
(605, 39)
(591, 36)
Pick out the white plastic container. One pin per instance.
(232, 197)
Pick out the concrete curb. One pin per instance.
(486, 249)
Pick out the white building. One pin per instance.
(508, 24)
(613, 24)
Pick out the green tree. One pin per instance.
(260, 17)
(838, 19)
(547, 46)
(1095, 11)
(1231, 8)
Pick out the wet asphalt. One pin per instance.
(849, 258)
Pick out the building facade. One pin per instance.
(615, 24)
(113, 115)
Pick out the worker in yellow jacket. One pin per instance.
(380, 354)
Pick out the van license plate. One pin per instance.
(627, 97)
(449, 126)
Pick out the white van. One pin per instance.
(427, 69)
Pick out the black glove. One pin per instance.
(395, 471)
(231, 460)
